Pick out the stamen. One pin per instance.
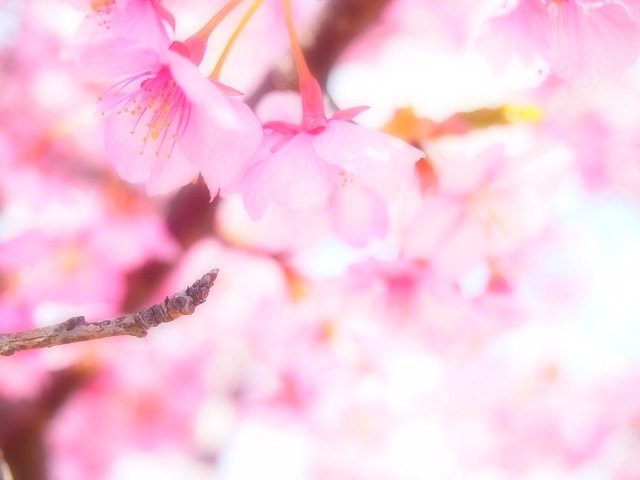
(164, 105)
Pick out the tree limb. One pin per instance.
(76, 329)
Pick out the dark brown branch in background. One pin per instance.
(24, 421)
(76, 329)
(336, 27)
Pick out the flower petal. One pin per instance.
(125, 151)
(222, 132)
(169, 173)
(115, 56)
(523, 31)
(358, 214)
(593, 42)
(293, 175)
(383, 162)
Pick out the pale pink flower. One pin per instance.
(486, 207)
(301, 165)
(302, 170)
(357, 214)
(168, 122)
(582, 41)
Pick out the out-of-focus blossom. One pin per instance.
(582, 41)
(485, 207)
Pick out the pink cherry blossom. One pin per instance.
(477, 213)
(357, 214)
(169, 122)
(582, 41)
(301, 168)
(474, 337)
(301, 165)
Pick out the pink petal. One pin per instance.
(142, 132)
(141, 20)
(463, 250)
(162, 172)
(358, 214)
(293, 175)
(523, 31)
(349, 113)
(593, 43)
(220, 153)
(222, 132)
(115, 56)
(169, 173)
(132, 162)
(383, 162)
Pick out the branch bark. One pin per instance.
(76, 329)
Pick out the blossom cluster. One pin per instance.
(440, 286)
(580, 40)
(167, 122)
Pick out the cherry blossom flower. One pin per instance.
(477, 213)
(167, 122)
(357, 213)
(300, 165)
(582, 41)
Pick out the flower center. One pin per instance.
(161, 109)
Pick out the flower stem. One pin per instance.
(298, 56)
(225, 53)
(197, 43)
(310, 91)
(205, 31)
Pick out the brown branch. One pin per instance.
(76, 329)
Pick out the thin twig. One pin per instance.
(76, 329)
